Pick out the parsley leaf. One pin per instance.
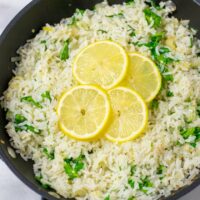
(144, 184)
(27, 127)
(129, 2)
(107, 197)
(102, 31)
(152, 18)
(132, 31)
(160, 55)
(131, 183)
(198, 109)
(73, 166)
(79, 11)
(50, 154)
(64, 53)
(133, 169)
(19, 119)
(169, 93)
(44, 185)
(116, 15)
(131, 198)
(155, 5)
(29, 99)
(194, 131)
(154, 104)
(45, 44)
(46, 95)
(160, 169)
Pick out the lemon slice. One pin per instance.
(83, 112)
(103, 63)
(129, 116)
(143, 76)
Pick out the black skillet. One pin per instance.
(34, 16)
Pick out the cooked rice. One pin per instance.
(107, 165)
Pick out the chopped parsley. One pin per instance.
(102, 31)
(74, 166)
(133, 169)
(79, 11)
(19, 119)
(44, 185)
(194, 131)
(155, 5)
(27, 127)
(154, 104)
(116, 15)
(64, 53)
(160, 169)
(29, 99)
(152, 18)
(131, 183)
(132, 31)
(50, 154)
(198, 109)
(169, 93)
(144, 184)
(107, 197)
(131, 198)
(46, 95)
(191, 41)
(160, 55)
(45, 44)
(74, 18)
(129, 2)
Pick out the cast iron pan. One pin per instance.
(34, 16)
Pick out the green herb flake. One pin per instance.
(193, 131)
(102, 31)
(79, 11)
(107, 197)
(160, 169)
(44, 42)
(144, 184)
(27, 127)
(131, 198)
(155, 5)
(132, 31)
(198, 108)
(73, 166)
(116, 15)
(169, 93)
(50, 154)
(191, 41)
(46, 95)
(129, 2)
(29, 99)
(44, 185)
(131, 183)
(152, 18)
(19, 119)
(64, 53)
(73, 21)
(133, 169)
(160, 55)
(154, 104)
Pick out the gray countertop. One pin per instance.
(10, 186)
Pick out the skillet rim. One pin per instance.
(39, 190)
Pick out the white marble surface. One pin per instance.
(10, 187)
